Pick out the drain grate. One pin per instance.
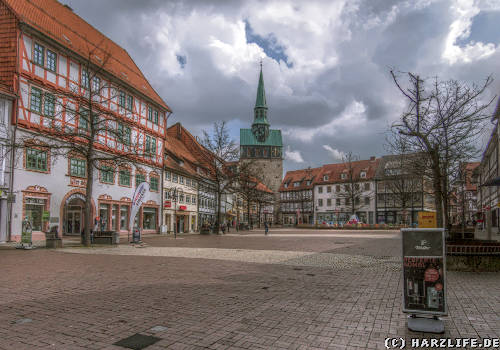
(137, 341)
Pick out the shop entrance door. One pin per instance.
(73, 220)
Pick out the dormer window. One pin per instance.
(285, 185)
(343, 176)
(296, 184)
(363, 174)
(308, 182)
(325, 177)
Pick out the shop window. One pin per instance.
(34, 210)
(36, 159)
(77, 167)
(103, 216)
(124, 177)
(124, 213)
(149, 218)
(114, 217)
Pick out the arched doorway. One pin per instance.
(73, 213)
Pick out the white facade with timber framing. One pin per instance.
(49, 56)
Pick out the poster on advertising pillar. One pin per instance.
(424, 271)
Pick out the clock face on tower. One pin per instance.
(260, 132)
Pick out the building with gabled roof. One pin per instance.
(345, 189)
(297, 196)
(50, 59)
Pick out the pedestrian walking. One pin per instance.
(228, 226)
(266, 228)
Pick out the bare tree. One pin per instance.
(221, 150)
(352, 189)
(443, 120)
(78, 124)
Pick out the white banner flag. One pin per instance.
(140, 195)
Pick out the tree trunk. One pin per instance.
(219, 206)
(88, 198)
(248, 213)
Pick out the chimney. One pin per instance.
(372, 158)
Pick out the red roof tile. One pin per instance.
(61, 24)
(302, 176)
(333, 171)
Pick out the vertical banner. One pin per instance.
(424, 271)
(140, 195)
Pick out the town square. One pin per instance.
(279, 174)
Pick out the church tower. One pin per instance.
(263, 146)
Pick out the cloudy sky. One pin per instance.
(326, 63)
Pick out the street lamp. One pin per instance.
(174, 193)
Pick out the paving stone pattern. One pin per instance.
(91, 301)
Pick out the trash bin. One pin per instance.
(116, 238)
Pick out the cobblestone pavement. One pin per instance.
(336, 291)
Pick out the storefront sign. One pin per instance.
(140, 195)
(46, 215)
(182, 207)
(427, 219)
(77, 182)
(424, 276)
(167, 204)
(76, 196)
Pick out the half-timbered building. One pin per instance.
(53, 59)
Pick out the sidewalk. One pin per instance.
(74, 241)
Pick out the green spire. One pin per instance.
(261, 93)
